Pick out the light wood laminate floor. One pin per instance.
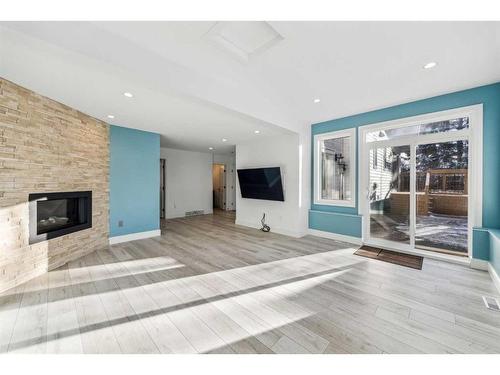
(208, 286)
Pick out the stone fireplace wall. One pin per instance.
(46, 146)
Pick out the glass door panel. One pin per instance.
(389, 193)
(442, 196)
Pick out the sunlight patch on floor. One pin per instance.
(256, 298)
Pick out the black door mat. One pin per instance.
(405, 260)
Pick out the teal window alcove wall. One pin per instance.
(347, 221)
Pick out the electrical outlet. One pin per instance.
(120, 223)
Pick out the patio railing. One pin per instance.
(439, 191)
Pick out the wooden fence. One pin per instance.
(439, 191)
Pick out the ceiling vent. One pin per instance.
(243, 39)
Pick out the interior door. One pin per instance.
(162, 188)
(219, 186)
(222, 187)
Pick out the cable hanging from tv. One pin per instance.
(265, 227)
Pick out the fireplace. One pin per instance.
(53, 215)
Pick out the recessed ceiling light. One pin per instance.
(111, 116)
(128, 94)
(210, 148)
(257, 131)
(317, 100)
(430, 65)
(224, 140)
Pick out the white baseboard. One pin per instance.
(183, 215)
(494, 276)
(335, 236)
(134, 236)
(479, 264)
(282, 231)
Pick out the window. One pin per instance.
(334, 166)
(455, 124)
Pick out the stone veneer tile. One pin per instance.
(46, 146)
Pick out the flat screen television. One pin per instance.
(261, 183)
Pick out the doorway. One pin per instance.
(219, 186)
(162, 188)
(423, 182)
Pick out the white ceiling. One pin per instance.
(195, 92)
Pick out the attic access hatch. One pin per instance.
(243, 39)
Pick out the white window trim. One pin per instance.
(352, 172)
(474, 134)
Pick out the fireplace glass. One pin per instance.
(60, 213)
(56, 214)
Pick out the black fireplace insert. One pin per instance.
(53, 215)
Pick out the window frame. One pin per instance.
(374, 158)
(318, 138)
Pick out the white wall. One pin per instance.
(305, 162)
(288, 217)
(188, 184)
(229, 160)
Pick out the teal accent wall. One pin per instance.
(345, 224)
(481, 243)
(134, 181)
(488, 95)
(495, 249)
(487, 246)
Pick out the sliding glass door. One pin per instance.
(389, 193)
(418, 186)
(442, 196)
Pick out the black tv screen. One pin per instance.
(261, 183)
